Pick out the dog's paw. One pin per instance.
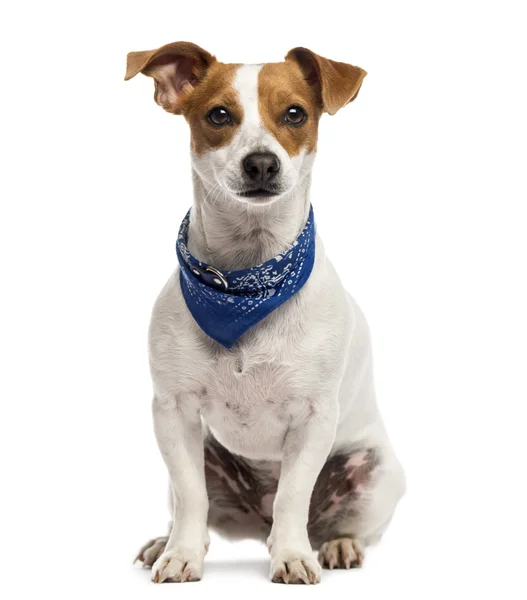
(178, 566)
(151, 551)
(341, 553)
(290, 566)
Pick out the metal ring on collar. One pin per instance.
(221, 280)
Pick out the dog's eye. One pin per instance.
(219, 116)
(295, 115)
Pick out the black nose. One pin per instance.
(261, 167)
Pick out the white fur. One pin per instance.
(305, 384)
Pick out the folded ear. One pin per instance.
(336, 83)
(176, 69)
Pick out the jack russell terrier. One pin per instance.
(264, 405)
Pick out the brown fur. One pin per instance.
(176, 69)
(216, 89)
(336, 83)
(281, 85)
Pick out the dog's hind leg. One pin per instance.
(352, 504)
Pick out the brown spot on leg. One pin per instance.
(241, 492)
(336, 498)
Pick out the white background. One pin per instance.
(419, 192)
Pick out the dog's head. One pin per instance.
(253, 128)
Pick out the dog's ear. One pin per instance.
(176, 69)
(337, 83)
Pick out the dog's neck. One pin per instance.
(232, 235)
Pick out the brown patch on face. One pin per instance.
(281, 85)
(216, 89)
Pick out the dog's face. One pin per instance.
(254, 128)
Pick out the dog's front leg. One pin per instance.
(180, 438)
(306, 447)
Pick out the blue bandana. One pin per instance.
(226, 304)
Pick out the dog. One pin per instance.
(264, 405)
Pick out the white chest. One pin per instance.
(249, 403)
